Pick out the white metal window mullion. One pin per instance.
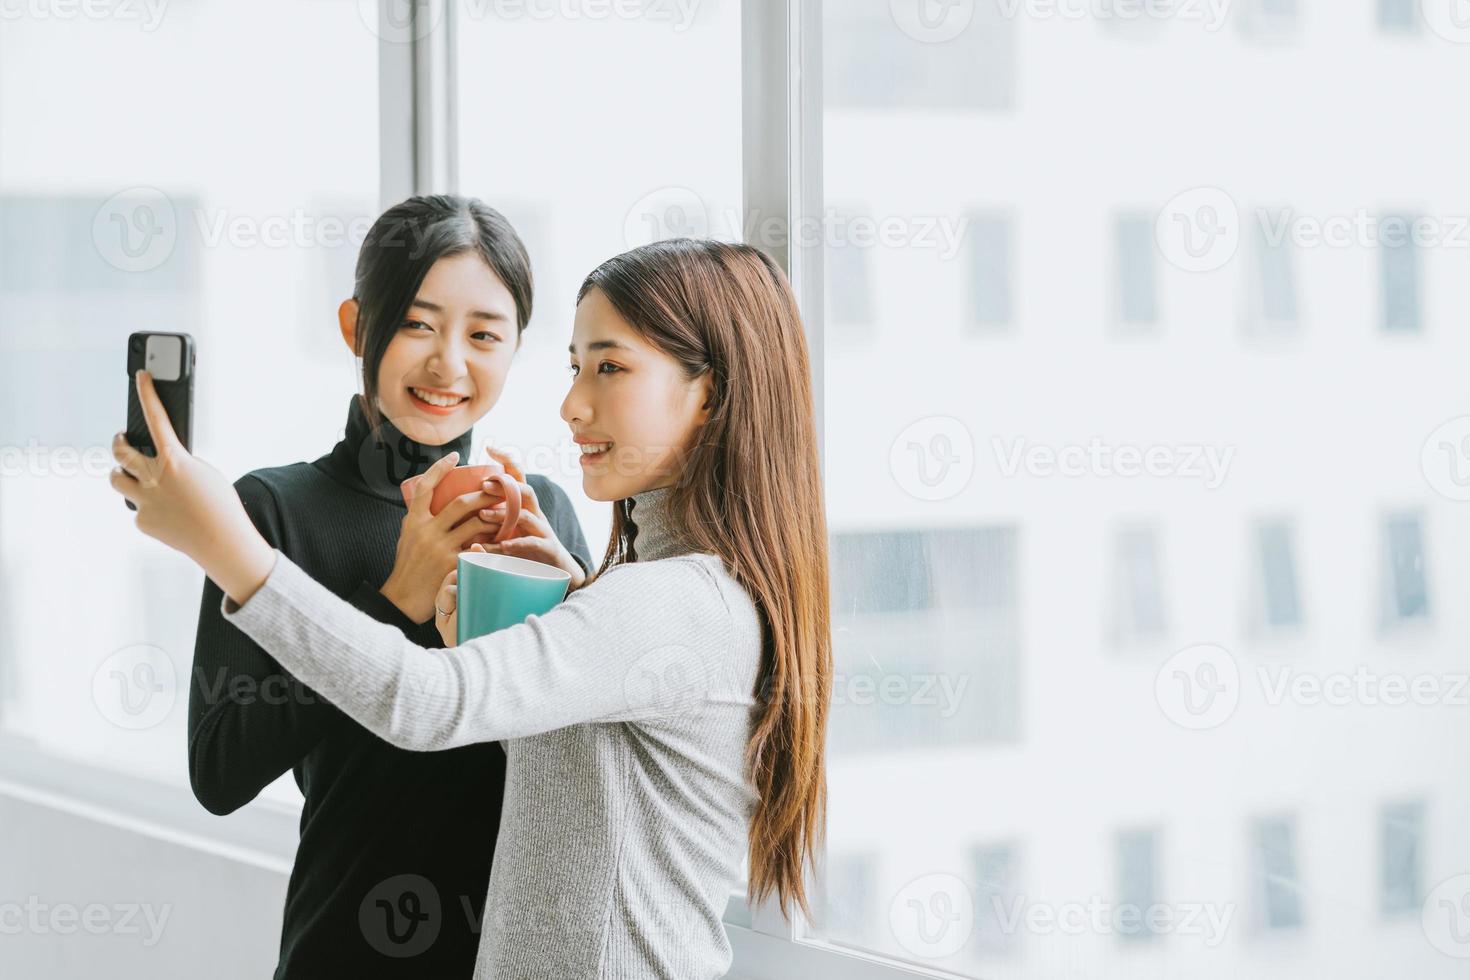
(417, 133)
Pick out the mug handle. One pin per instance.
(511, 488)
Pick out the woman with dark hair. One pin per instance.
(396, 845)
(667, 720)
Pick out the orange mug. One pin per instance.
(468, 479)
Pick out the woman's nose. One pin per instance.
(447, 363)
(573, 408)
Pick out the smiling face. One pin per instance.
(630, 402)
(448, 361)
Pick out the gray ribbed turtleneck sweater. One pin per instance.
(625, 713)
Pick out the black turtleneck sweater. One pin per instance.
(394, 860)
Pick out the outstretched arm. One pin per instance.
(617, 650)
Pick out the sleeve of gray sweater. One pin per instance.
(616, 650)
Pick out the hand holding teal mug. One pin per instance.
(496, 591)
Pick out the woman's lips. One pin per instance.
(589, 458)
(432, 409)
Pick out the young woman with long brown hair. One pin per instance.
(669, 717)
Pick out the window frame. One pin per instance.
(782, 166)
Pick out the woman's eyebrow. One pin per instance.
(424, 304)
(599, 345)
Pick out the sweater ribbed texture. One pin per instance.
(381, 828)
(625, 713)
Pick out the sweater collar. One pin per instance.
(379, 460)
(656, 535)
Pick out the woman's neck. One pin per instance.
(656, 533)
(379, 460)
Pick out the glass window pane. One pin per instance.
(1406, 591)
(1400, 263)
(990, 272)
(196, 172)
(1401, 853)
(1138, 891)
(594, 128)
(1137, 299)
(1274, 865)
(1140, 473)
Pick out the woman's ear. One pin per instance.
(706, 393)
(347, 321)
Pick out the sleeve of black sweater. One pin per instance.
(250, 720)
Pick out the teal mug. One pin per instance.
(496, 591)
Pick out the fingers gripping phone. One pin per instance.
(169, 358)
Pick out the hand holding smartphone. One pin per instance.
(169, 358)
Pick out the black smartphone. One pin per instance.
(169, 358)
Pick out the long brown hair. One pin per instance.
(750, 492)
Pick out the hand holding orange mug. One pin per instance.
(472, 479)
